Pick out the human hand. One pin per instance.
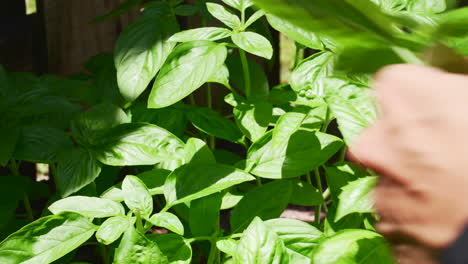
(420, 148)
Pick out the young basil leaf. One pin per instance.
(142, 49)
(214, 124)
(231, 199)
(113, 228)
(267, 201)
(114, 193)
(46, 239)
(136, 248)
(357, 246)
(89, 127)
(119, 10)
(204, 215)
(301, 36)
(168, 221)
(297, 236)
(174, 247)
(356, 197)
(311, 73)
(239, 4)
(196, 150)
(88, 206)
(41, 144)
(186, 184)
(224, 15)
(137, 196)
(253, 18)
(427, 6)
(253, 43)
(188, 67)
(305, 194)
(259, 244)
(205, 33)
(305, 150)
(138, 144)
(227, 245)
(77, 167)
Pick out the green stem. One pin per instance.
(343, 154)
(245, 69)
(308, 178)
(259, 181)
(104, 254)
(299, 56)
(28, 208)
(14, 167)
(192, 99)
(326, 122)
(139, 223)
(318, 209)
(212, 257)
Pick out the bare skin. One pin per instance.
(419, 146)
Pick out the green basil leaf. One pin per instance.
(301, 36)
(205, 33)
(305, 194)
(301, 153)
(427, 6)
(239, 4)
(311, 73)
(221, 76)
(41, 144)
(46, 239)
(188, 67)
(214, 124)
(12, 191)
(89, 126)
(112, 229)
(253, 119)
(253, 43)
(154, 180)
(224, 15)
(174, 247)
(297, 236)
(136, 248)
(354, 108)
(351, 221)
(76, 168)
(196, 150)
(340, 174)
(226, 157)
(119, 10)
(259, 244)
(114, 193)
(88, 206)
(267, 202)
(142, 49)
(137, 196)
(186, 10)
(8, 138)
(356, 197)
(168, 221)
(194, 181)
(170, 118)
(138, 144)
(204, 215)
(253, 18)
(231, 199)
(353, 246)
(227, 245)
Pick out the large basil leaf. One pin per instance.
(112, 229)
(356, 197)
(142, 49)
(41, 144)
(354, 108)
(88, 206)
(168, 221)
(172, 119)
(259, 244)
(353, 246)
(136, 248)
(138, 144)
(137, 196)
(340, 174)
(188, 67)
(311, 73)
(301, 36)
(224, 15)
(194, 181)
(204, 215)
(305, 194)
(301, 153)
(297, 236)
(76, 168)
(214, 124)
(46, 239)
(267, 201)
(196, 150)
(253, 43)
(174, 247)
(205, 33)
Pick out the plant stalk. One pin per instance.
(245, 69)
(318, 209)
(213, 256)
(28, 208)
